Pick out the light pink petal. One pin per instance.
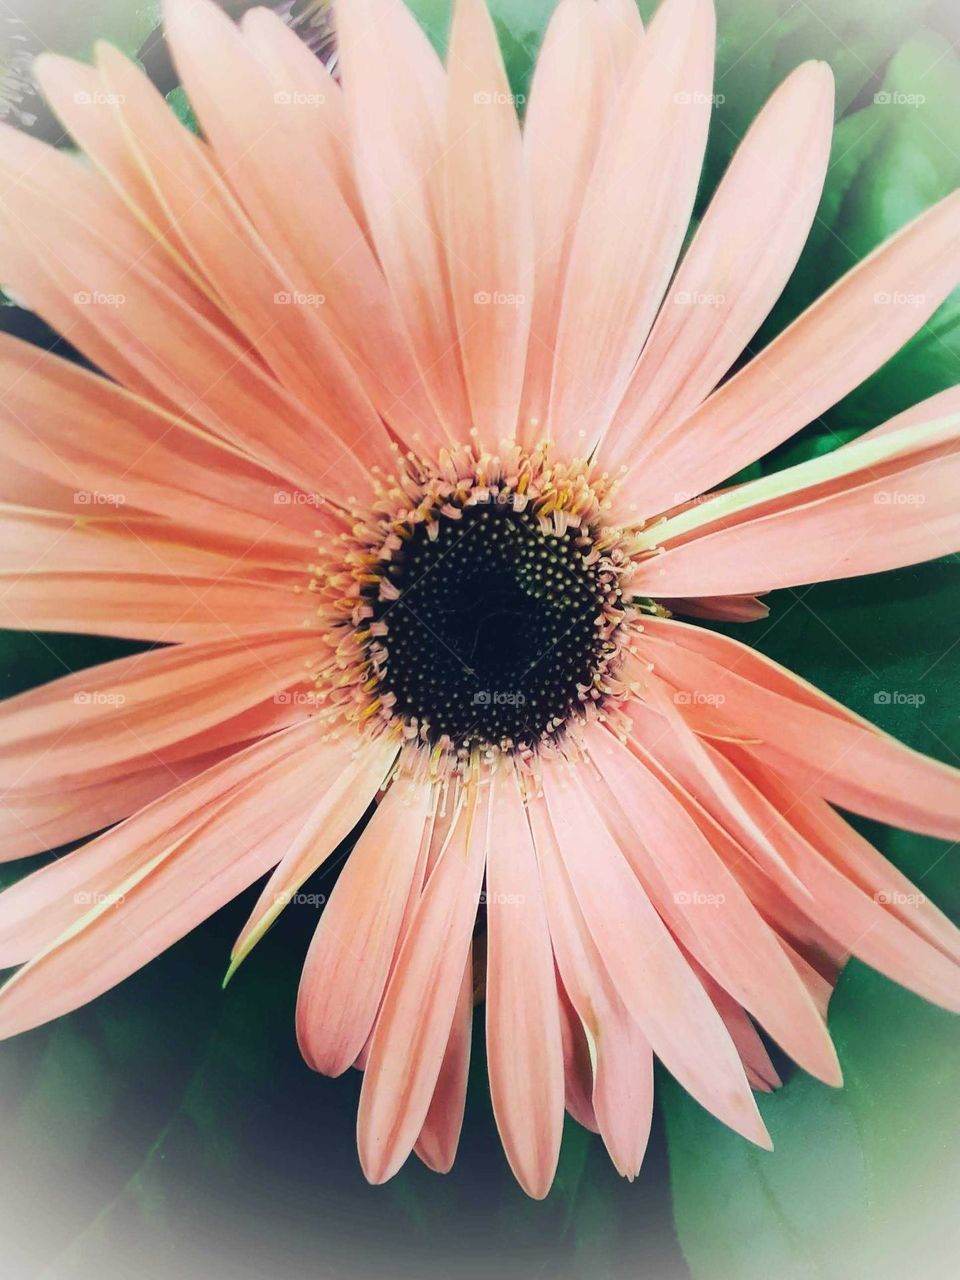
(395, 97)
(718, 608)
(413, 1026)
(800, 731)
(849, 332)
(186, 876)
(570, 94)
(113, 278)
(649, 972)
(38, 908)
(91, 436)
(633, 221)
(882, 513)
(338, 809)
(741, 257)
(168, 608)
(621, 1103)
(346, 968)
(723, 929)
(244, 106)
(856, 920)
(524, 1048)
(577, 1067)
(743, 1033)
(440, 1135)
(487, 225)
(135, 706)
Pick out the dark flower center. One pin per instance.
(494, 638)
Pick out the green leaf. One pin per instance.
(862, 1181)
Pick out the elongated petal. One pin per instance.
(569, 96)
(741, 257)
(729, 937)
(645, 177)
(396, 101)
(186, 877)
(836, 343)
(413, 1028)
(440, 1135)
(650, 974)
(346, 968)
(93, 437)
(340, 806)
(487, 234)
(134, 706)
(524, 1049)
(855, 919)
(730, 690)
(876, 504)
(577, 1067)
(244, 106)
(621, 1102)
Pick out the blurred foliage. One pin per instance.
(170, 1124)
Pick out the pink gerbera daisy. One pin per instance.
(397, 453)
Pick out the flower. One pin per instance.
(398, 456)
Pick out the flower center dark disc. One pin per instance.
(494, 637)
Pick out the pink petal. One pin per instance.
(570, 94)
(801, 732)
(135, 706)
(722, 928)
(622, 1078)
(741, 257)
(184, 880)
(440, 1135)
(645, 177)
(346, 968)
(487, 227)
(396, 100)
(413, 1027)
(524, 1048)
(351, 787)
(650, 974)
(837, 342)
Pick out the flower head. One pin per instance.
(407, 453)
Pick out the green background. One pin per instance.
(170, 1122)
